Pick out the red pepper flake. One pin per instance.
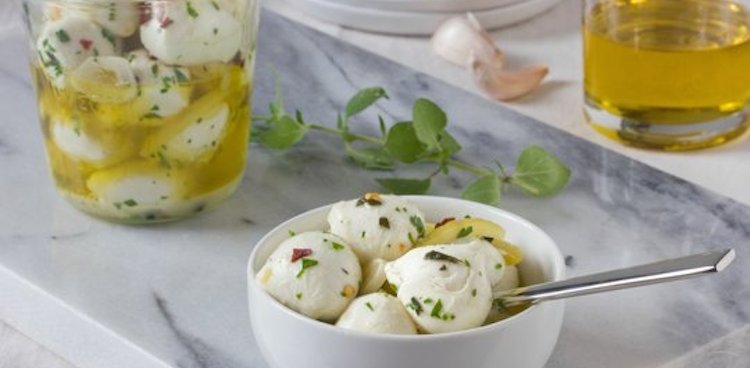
(298, 253)
(86, 43)
(444, 221)
(144, 12)
(166, 22)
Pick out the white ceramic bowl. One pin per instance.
(291, 340)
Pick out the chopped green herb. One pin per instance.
(118, 205)
(428, 301)
(411, 240)
(130, 203)
(467, 216)
(155, 69)
(443, 268)
(299, 296)
(383, 221)
(474, 292)
(163, 161)
(307, 263)
(62, 36)
(216, 31)
(110, 38)
(369, 306)
(416, 221)
(363, 234)
(414, 304)
(155, 108)
(464, 232)
(292, 233)
(216, 6)
(498, 266)
(151, 115)
(434, 255)
(467, 263)
(437, 309)
(344, 271)
(336, 246)
(180, 76)
(488, 239)
(191, 11)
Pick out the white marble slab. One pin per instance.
(553, 38)
(100, 294)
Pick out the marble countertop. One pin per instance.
(104, 295)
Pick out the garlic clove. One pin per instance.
(461, 39)
(505, 85)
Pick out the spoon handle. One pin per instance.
(652, 273)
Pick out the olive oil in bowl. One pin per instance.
(667, 74)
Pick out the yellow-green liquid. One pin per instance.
(668, 62)
(134, 136)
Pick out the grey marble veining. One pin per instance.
(177, 291)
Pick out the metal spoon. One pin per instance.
(652, 273)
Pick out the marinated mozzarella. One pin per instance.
(314, 273)
(377, 226)
(66, 43)
(137, 186)
(511, 280)
(378, 313)
(120, 18)
(192, 32)
(373, 276)
(69, 138)
(447, 287)
(193, 135)
(163, 88)
(105, 79)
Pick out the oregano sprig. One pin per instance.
(423, 139)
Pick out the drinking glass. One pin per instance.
(667, 74)
(144, 105)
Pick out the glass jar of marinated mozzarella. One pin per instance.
(145, 105)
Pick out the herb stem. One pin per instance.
(466, 167)
(350, 136)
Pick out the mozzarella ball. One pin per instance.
(377, 226)
(119, 18)
(447, 288)
(164, 88)
(192, 136)
(191, 32)
(137, 186)
(377, 313)
(511, 280)
(105, 79)
(69, 138)
(373, 276)
(66, 43)
(314, 273)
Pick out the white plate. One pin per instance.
(415, 23)
(428, 5)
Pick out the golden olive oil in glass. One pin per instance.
(667, 74)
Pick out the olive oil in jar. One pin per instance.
(667, 74)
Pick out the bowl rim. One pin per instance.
(556, 257)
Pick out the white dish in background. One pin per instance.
(415, 23)
(428, 5)
(289, 339)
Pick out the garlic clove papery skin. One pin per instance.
(506, 85)
(461, 39)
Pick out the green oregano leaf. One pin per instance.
(405, 186)
(540, 173)
(364, 99)
(485, 190)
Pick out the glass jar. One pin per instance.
(667, 74)
(144, 105)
